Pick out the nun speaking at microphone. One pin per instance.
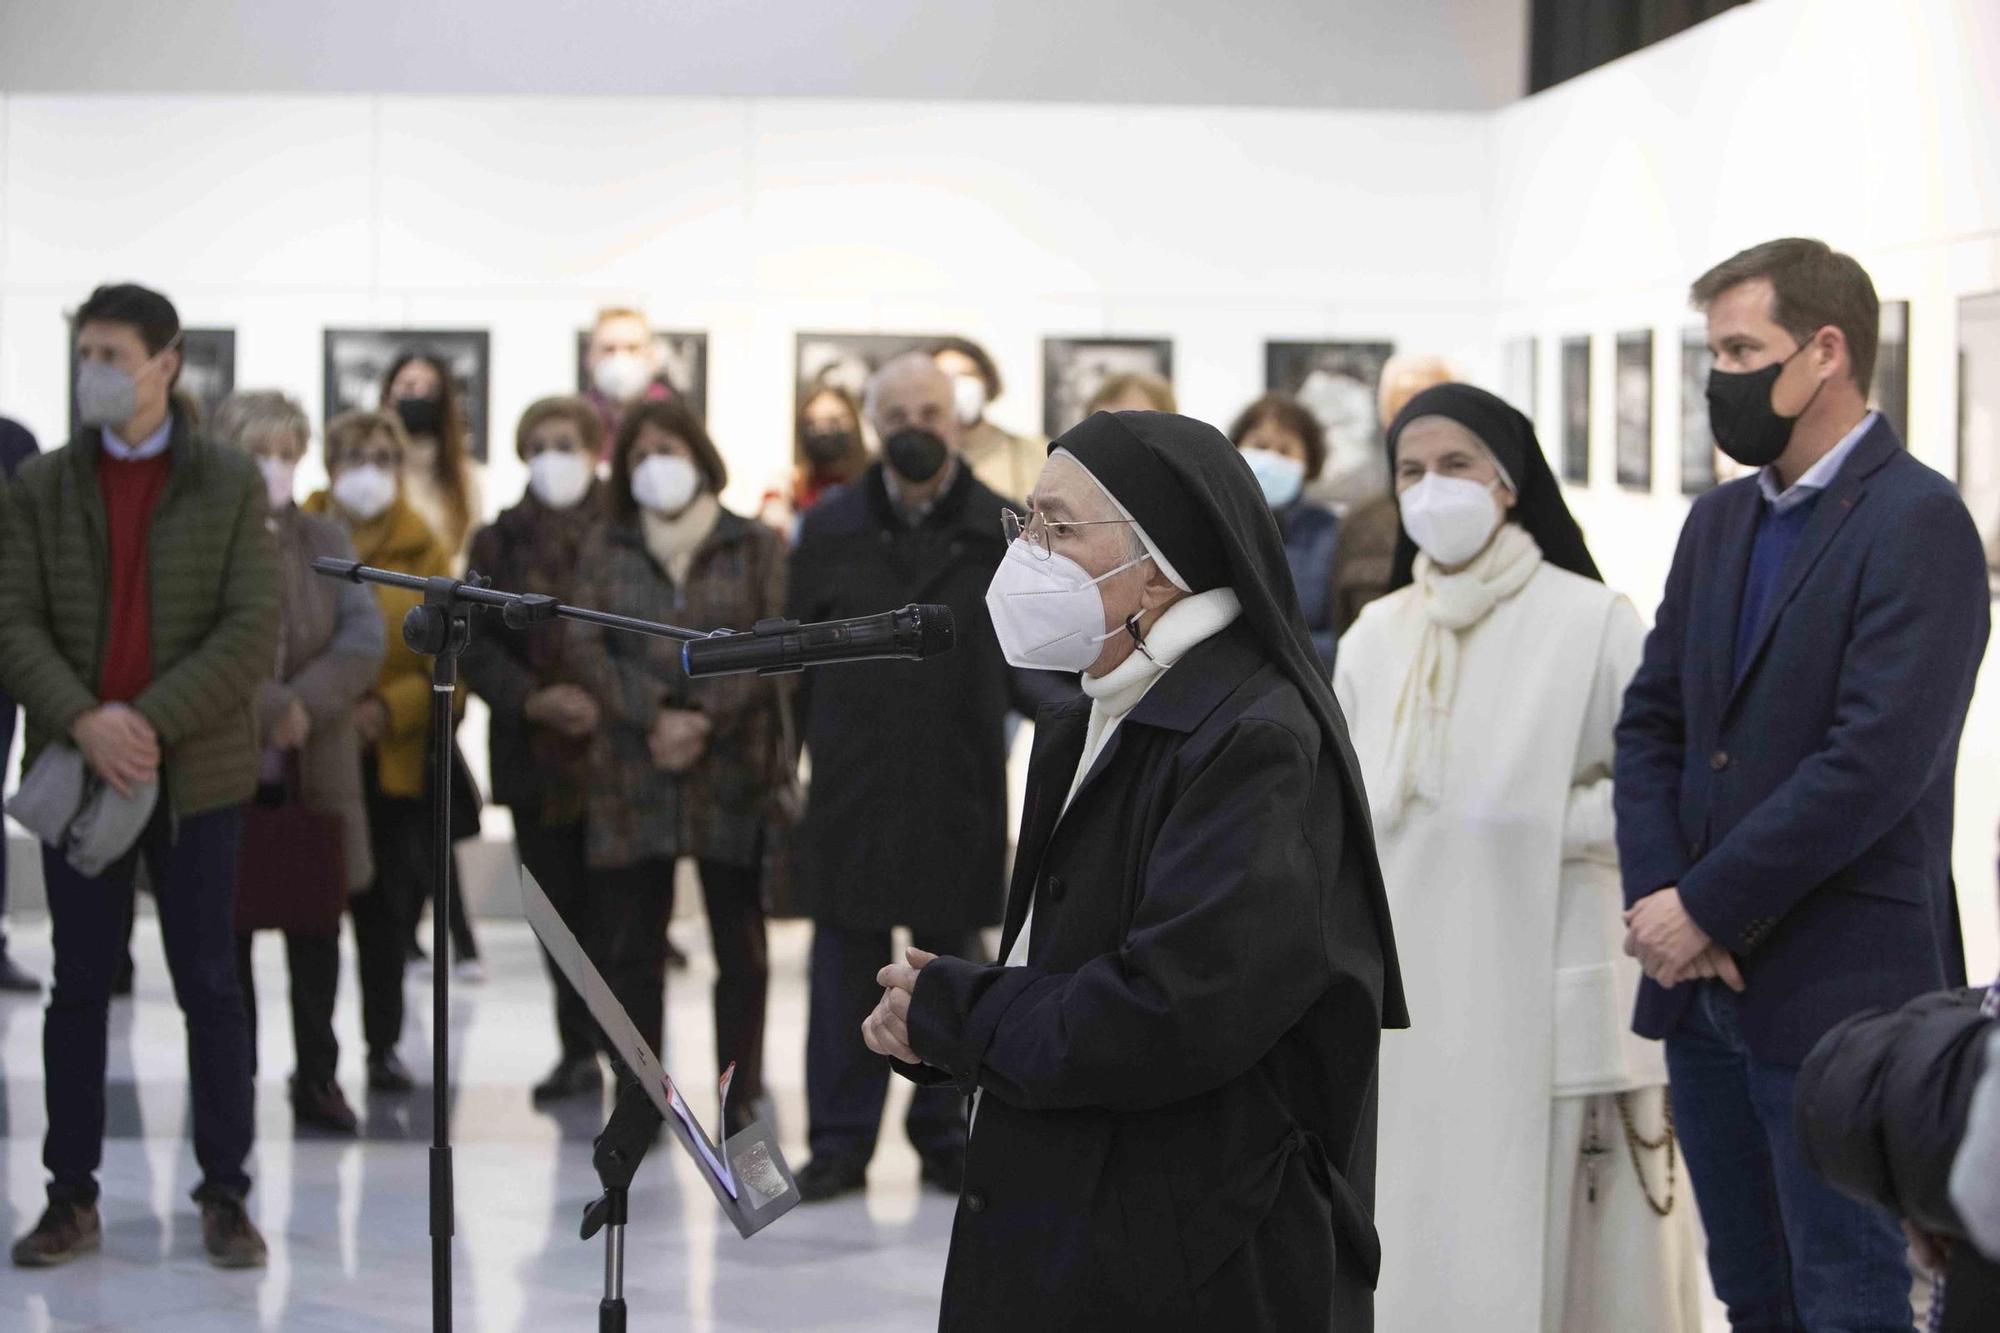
(1173, 1070)
(1529, 1169)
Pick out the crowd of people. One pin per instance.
(1740, 820)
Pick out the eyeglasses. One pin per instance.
(1041, 531)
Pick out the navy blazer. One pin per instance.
(1805, 808)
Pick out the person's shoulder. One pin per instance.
(841, 511)
(320, 534)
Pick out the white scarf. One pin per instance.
(673, 541)
(1453, 604)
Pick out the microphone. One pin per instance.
(775, 646)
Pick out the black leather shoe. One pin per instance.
(574, 1076)
(323, 1106)
(386, 1074)
(826, 1178)
(945, 1170)
(66, 1231)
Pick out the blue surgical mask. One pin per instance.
(1280, 477)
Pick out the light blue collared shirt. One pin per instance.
(1818, 477)
(151, 447)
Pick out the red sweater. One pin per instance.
(131, 490)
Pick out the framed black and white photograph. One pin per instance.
(1889, 391)
(1337, 382)
(847, 360)
(1576, 411)
(683, 359)
(1698, 452)
(355, 360)
(208, 370)
(1632, 396)
(1074, 369)
(1979, 417)
(1517, 375)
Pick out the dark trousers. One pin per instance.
(846, 1083)
(463, 945)
(631, 945)
(194, 884)
(1785, 1249)
(399, 837)
(313, 961)
(555, 857)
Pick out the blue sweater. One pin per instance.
(1777, 535)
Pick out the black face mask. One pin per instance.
(421, 416)
(827, 447)
(1741, 417)
(915, 453)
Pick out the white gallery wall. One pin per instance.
(1872, 123)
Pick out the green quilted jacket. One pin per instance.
(214, 613)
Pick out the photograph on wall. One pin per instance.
(208, 371)
(683, 359)
(1698, 452)
(1074, 369)
(1517, 375)
(1337, 382)
(1576, 411)
(1889, 391)
(846, 360)
(1979, 418)
(1632, 396)
(355, 360)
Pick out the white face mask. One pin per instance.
(558, 479)
(365, 491)
(1451, 519)
(1049, 614)
(278, 476)
(968, 395)
(622, 376)
(1279, 476)
(665, 484)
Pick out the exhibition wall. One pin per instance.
(1579, 213)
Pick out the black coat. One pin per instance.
(906, 820)
(1881, 1106)
(1178, 1120)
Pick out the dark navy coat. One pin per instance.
(1804, 809)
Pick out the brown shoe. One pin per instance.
(228, 1235)
(65, 1231)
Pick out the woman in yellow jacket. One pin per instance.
(364, 457)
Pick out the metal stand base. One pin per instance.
(634, 1124)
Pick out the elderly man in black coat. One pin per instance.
(1174, 1068)
(906, 822)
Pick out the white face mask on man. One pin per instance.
(622, 376)
(1049, 613)
(1451, 519)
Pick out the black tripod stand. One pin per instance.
(441, 628)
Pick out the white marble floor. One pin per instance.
(347, 1222)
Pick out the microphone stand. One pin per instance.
(440, 628)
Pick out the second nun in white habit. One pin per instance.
(1527, 1172)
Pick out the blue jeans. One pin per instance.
(1785, 1249)
(194, 886)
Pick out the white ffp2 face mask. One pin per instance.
(365, 491)
(559, 479)
(968, 397)
(1450, 519)
(665, 484)
(1049, 614)
(622, 376)
(278, 476)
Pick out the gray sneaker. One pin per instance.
(65, 1231)
(229, 1236)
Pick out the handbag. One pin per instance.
(291, 871)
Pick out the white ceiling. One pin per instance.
(1400, 54)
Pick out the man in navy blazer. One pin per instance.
(1785, 774)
